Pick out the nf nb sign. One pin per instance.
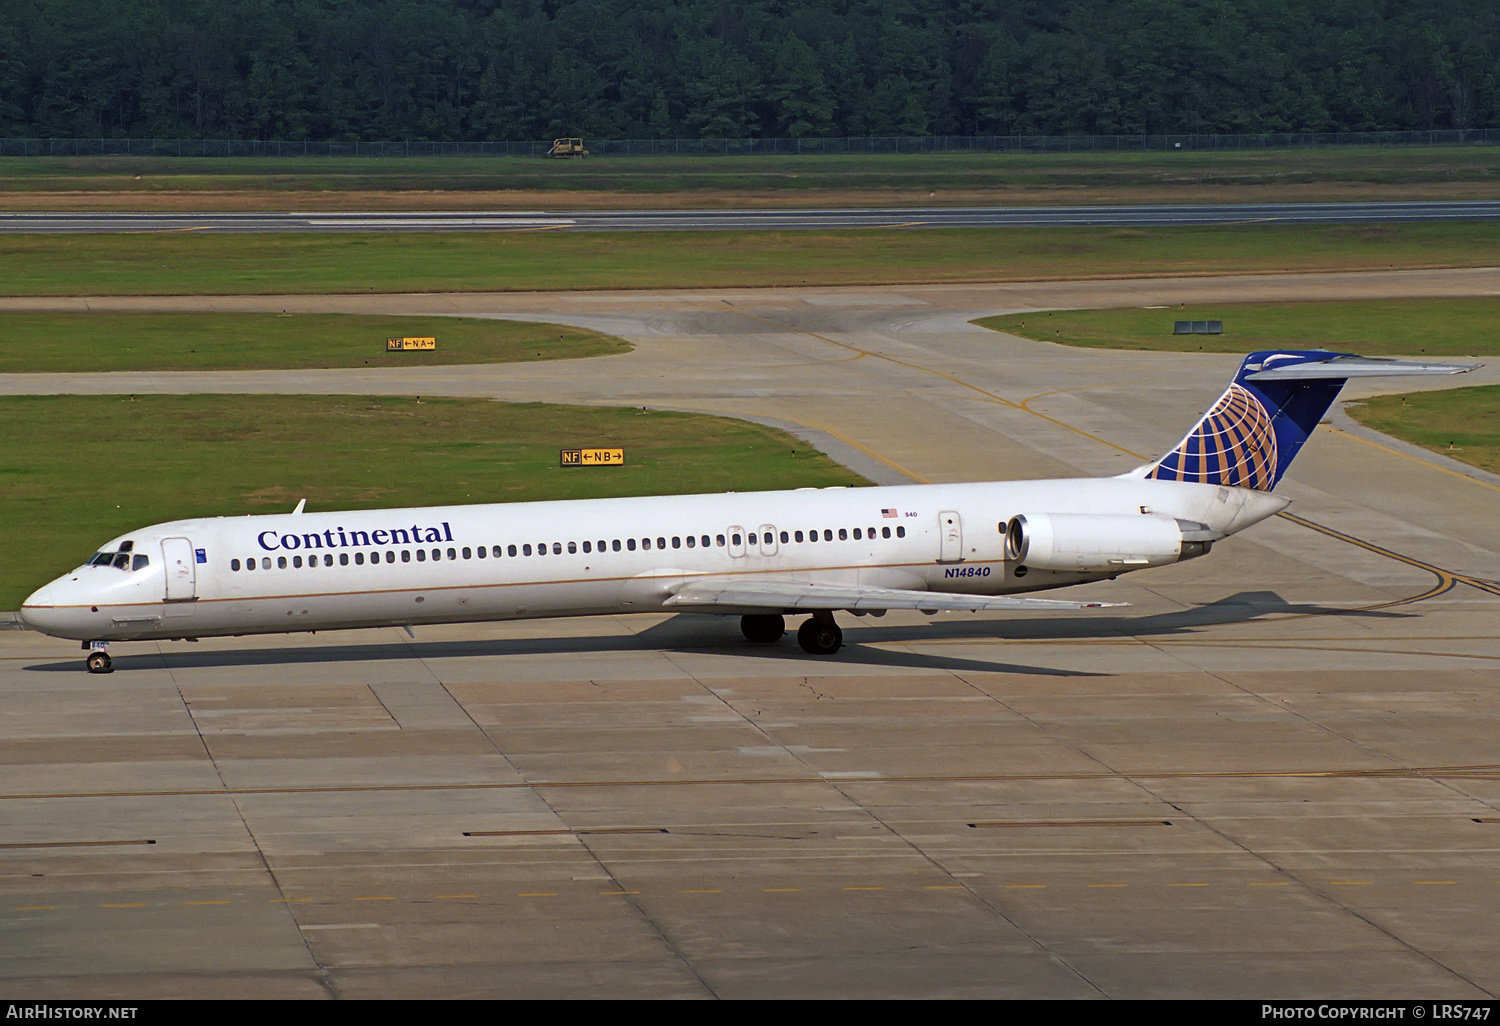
(394, 345)
(591, 457)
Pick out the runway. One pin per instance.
(761, 220)
(1272, 776)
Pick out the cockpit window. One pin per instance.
(123, 561)
(101, 559)
(139, 562)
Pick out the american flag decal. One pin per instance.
(888, 513)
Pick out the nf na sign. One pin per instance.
(395, 345)
(591, 457)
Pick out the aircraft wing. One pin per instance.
(784, 595)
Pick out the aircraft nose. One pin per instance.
(40, 610)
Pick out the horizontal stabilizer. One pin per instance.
(1342, 366)
(778, 595)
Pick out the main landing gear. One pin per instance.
(762, 628)
(97, 660)
(818, 636)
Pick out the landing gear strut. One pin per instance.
(98, 662)
(820, 635)
(763, 628)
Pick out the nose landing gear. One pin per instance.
(820, 635)
(98, 661)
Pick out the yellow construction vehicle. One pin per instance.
(567, 148)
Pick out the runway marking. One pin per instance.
(37, 908)
(455, 896)
(537, 894)
(1414, 459)
(377, 897)
(713, 890)
(206, 903)
(72, 844)
(127, 904)
(864, 888)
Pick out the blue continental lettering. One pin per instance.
(967, 571)
(339, 538)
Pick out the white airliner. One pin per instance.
(756, 555)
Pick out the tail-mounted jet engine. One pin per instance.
(1098, 543)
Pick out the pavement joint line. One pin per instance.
(1469, 772)
(764, 890)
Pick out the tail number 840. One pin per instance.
(967, 571)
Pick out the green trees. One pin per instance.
(532, 69)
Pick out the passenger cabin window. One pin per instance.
(234, 565)
(468, 554)
(343, 559)
(630, 544)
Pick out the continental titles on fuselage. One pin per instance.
(338, 538)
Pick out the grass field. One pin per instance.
(1463, 422)
(204, 263)
(224, 341)
(1406, 327)
(78, 470)
(302, 183)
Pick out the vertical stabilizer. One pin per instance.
(1250, 436)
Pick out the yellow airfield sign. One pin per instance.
(591, 457)
(395, 345)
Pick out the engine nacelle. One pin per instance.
(1096, 543)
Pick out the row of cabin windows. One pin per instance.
(525, 549)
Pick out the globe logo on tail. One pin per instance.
(1234, 444)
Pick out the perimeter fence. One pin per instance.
(741, 147)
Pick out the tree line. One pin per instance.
(638, 69)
